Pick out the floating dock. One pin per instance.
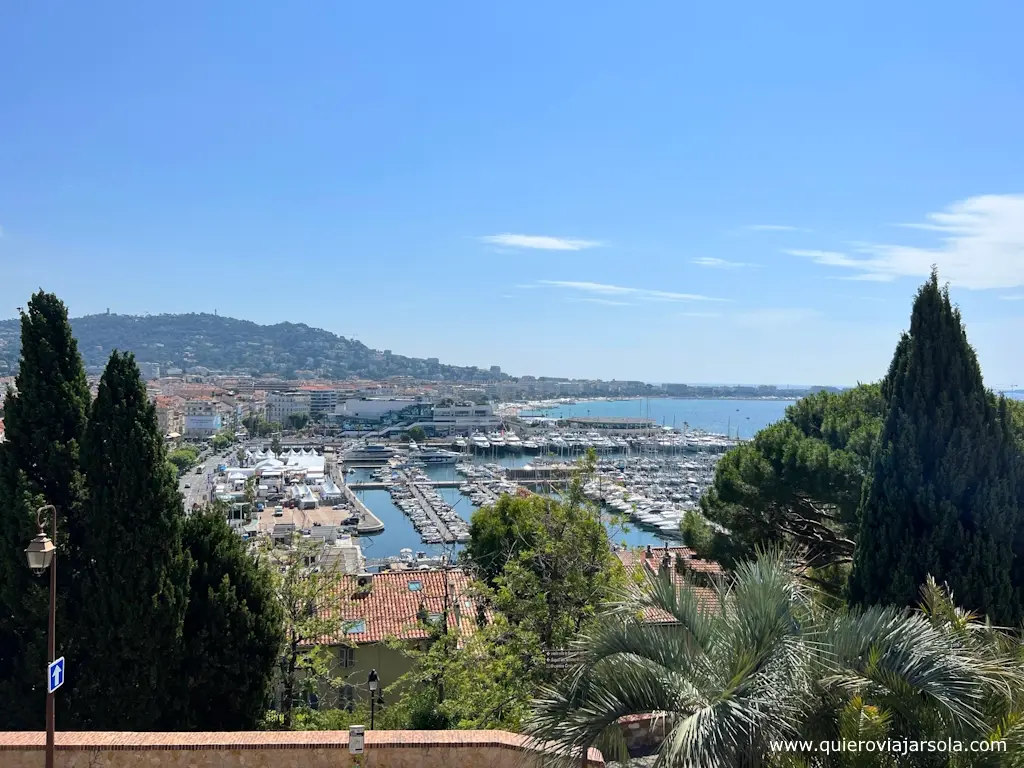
(379, 486)
(446, 536)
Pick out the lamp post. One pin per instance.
(371, 682)
(41, 556)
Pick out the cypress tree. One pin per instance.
(941, 498)
(45, 422)
(233, 629)
(137, 582)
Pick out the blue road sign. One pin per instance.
(55, 675)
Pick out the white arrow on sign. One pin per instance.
(55, 675)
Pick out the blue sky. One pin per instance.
(734, 192)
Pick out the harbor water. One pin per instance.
(737, 418)
(717, 416)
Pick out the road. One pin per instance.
(199, 485)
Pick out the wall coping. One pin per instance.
(137, 741)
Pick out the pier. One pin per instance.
(369, 523)
(442, 529)
(378, 486)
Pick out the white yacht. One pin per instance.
(531, 446)
(512, 442)
(433, 456)
(460, 443)
(496, 440)
(370, 454)
(479, 441)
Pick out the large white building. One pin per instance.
(321, 399)
(464, 418)
(281, 405)
(372, 408)
(202, 418)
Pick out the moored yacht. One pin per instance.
(434, 456)
(370, 454)
(512, 441)
(479, 441)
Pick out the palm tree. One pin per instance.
(763, 660)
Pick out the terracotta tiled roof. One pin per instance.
(390, 607)
(650, 563)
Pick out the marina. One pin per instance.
(645, 483)
(432, 516)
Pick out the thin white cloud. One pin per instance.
(605, 302)
(982, 247)
(698, 314)
(1013, 297)
(638, 294)
(709, 261)
(775, 228)
(540, 242)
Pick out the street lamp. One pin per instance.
(40, 554)
(371, 682)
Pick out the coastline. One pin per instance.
(514, 408)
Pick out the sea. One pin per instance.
(739, 418)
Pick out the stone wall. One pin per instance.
(644, 733)
(302, 749)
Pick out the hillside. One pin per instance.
(236, 346)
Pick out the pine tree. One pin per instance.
(137, 582)
(45, 422)
(233, 630)
(941, 499)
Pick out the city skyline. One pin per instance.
(678, 194)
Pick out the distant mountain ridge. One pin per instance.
(230, 345)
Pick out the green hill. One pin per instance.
(234, 346)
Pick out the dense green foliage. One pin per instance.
(297, 420)
(233, 629)
(141, 651)
(769, 661)
(39, 464)
(418, 434)
(548, 564)
(303, 592)
(485, 682)
(798, 482)
(136, 587)
(183, 458)
(259, 427)
(942, 496)
(226, 344)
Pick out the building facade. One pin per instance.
(464, 418)
(281, 405)
(202, 419)
(321, 400)
(149, 371)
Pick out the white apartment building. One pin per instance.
(202, 419)
(321, 400)
(281, 405)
